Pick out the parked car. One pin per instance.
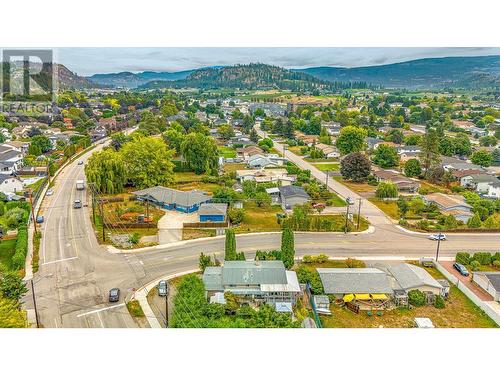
(349, 200)
(77, 203)
(162, 288)
(114, 295)
(461, 269)
(39, 219)
(50, 192)
(436, 237)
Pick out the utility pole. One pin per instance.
(101, 203)
(439, 243)
(359, 212)
(327, 174)
(346, 218)
(48, 171)
(147, 212)
(34, 303)
(32, 210)
(166, 309)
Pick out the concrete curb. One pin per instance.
(447, 233)
(141, 294)
(113, 250)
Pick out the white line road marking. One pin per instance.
(59, 260)
(100, 320)
(99, 310)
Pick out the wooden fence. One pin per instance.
(224, 224)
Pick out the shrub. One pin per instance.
(236, 215)
(474, 265)
(496, 256)
(463, 258)
(496, 263)
(474, 221)
(439, 302)
(416, 298)
(134, 238)
(483, 258)
(386, 190)
(21, 248)
(354, 263)
(321, 258)
(306, 275)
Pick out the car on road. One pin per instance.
(349, 200)
(39, 219)
(50, 192)
(162, 288)
(114, 295)
(461, 269)
(437, 237)
(80, 162)
(77, 203)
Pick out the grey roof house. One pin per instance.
(265, 281)
(292, 195)
(171, 199)
(409, 277)
(490, 282)
(342, 281)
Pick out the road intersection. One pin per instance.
(76, 272)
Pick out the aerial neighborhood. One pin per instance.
(256, 200)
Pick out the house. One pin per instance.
(260, 161)
(18, 146)
(332, 128)
(480, 182)
(328, 150)
(450, 205)
(494, 190)
(407, 155)
(478, 132)
(410, 277)
(404, 184)
(249, 151)
(11, 160)
(99, 132)
(257, 281)
(278, 175)
(465, 176)
(212, 212)
(171, 199)
(308, 140)
(454, 164)
(291, 196)
(489, 281)
(408, 149)
(373, 142)
(358, 282)
(10, 184)
(274, 192)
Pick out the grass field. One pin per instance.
(459, 312)
(357, 187)
(327, 167)
(7, 249)
(337, 201)
(390, 208)
(193, 233)
(189, 180)
(234, 167)
(227, 152)
(259, 219)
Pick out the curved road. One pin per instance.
(76, 273)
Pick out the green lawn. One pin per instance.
(259, 219)
(7, 249)
(337, 201)
(326, 167)
(227, 152)
(390, 208)
(355, 186)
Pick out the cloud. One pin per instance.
(88, 61)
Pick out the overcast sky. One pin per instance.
(88, 61)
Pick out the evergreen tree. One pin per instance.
(230, 246)
(287, 247)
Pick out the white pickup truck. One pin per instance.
(80, 185)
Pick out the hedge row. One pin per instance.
(19, 258)
(483, 258)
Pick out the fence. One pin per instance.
(206, 225)
(470, 294)
(121, 225)
(313, 306)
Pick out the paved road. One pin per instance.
(76, 272)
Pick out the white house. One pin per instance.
(10, 160)
(489, 281)
(494, 190)
(10, 184)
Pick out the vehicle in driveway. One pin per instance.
(162, 288)
(50, 192)
(114, 295)
(436, 237)
(461, 269)
(77, 203)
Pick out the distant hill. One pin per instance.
(133, 80)
(246, 77)
(467, 72)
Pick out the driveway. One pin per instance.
(467, 281)
(170, 226)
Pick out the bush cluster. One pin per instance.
(21, 249)
(481, 258)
